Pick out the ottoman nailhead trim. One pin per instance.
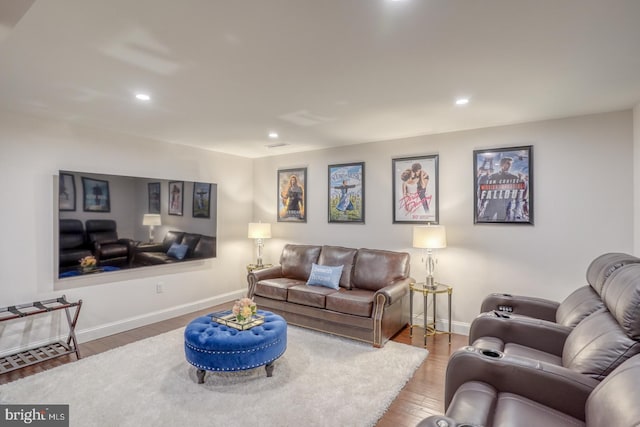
(242, 368)
(252, 350)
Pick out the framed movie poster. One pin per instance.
(201, 200)
(415, 190)
(176, 197)
(67, 192)
(346, 192)
(292, 196)
(154, 197)
(95, 195)
(503, 185)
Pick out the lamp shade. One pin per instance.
(259, 230)
(151, 219)
(429, 237)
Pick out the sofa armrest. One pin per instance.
(539, 308)
(555, 386)
(257, 275)
(395, 291)
(535, 333)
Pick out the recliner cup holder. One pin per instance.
(491, 353)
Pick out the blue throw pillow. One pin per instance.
(177, 251)
(324, 275)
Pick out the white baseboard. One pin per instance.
(443, 325)
(89, 334)
(101, 331)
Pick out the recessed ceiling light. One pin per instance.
(273, 135)
(462, 101)
(143, 96)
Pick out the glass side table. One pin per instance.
(430, 328)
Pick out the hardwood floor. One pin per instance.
(422, 396)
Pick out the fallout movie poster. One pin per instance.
(503, 185)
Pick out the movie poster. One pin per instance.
(292, 195)
(415, 190)
(504, 185)
(346, 192)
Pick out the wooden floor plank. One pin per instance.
(422, 396)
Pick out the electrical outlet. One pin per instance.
(160, 287)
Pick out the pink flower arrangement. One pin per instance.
(244, 309)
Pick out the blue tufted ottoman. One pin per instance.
(210, 346)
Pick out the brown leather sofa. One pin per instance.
(507, 394)
(197, 246)
(579, 304)
(369, 305)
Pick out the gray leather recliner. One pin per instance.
(523, 397)
(497, 309)
(596, 346)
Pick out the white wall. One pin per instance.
(636, 178)
(31, 153)
(583, 186)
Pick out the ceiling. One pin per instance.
(320, 73)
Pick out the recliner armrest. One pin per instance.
(539, 308)
(551, 385)
(535, 333)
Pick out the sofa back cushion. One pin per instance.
(597, 345)
(374, 269)
(622, 298)
(296, 261)
(608, 337)
(103, 231)
(190, 240)
(71, 233)
(206, 247)
(335, 256)
(170, 238)
(602, 266)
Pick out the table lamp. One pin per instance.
(151, 220)
(430, 237)
(259, 231)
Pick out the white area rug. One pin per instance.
(321, 380)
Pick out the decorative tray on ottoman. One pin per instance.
(229, 319)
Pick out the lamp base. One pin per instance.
(430, 283)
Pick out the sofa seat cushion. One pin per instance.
(276, 288)
(154, 258)
(523, 351)
(358, 302)
(114, 251)
(313, 296)
(72, 256)
(515, 410)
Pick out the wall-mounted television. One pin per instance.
(112, 223)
